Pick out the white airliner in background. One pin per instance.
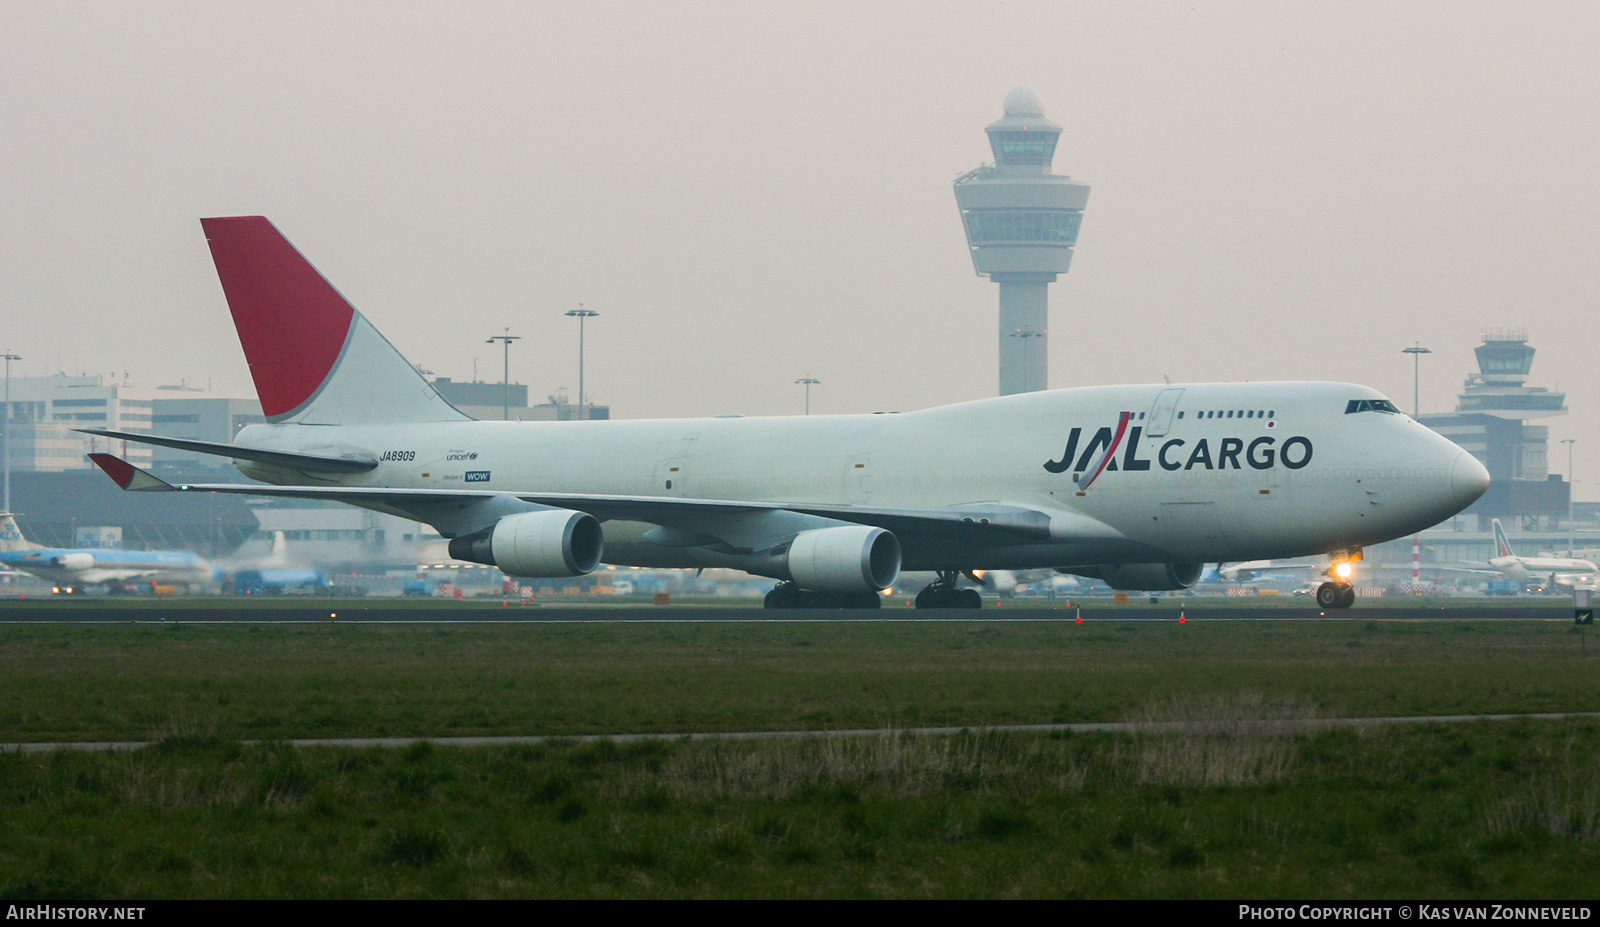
(1033, 582)
(1252, 571)
(1138, 486)
(1564, 571)
(73, 568)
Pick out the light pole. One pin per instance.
(581, 314)
(1570, 483)
(1416, 351)
(809, 382)
(5, 438)
(505, 376)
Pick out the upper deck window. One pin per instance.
(1370, 405)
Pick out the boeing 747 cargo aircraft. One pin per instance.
(1138, 486)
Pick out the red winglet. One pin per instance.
(118, 469)
(128, 476)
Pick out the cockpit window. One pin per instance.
(1370, 405)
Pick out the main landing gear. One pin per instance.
(942, 593)
(788, 595)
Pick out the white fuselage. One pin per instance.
(1290, 473)
(84, 566)
(91, 566)
(1531, 568)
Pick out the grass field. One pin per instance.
(134, 682)
(1237, 805)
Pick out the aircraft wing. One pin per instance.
(743, 524)
(979, 520)
(11, 567)
(307, 463)
(1260, 570)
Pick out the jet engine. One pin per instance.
(75, 561)
(1142, 577)
(554, 542)
(855, 558)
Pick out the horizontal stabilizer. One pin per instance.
(307, 463)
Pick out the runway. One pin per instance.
(394, 611)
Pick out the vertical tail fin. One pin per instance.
(1502, 546)
(313, 357)
(11, 538)
(279, 557)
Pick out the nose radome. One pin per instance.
(1469, 479)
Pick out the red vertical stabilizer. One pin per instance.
(313, 357)
(292, 323)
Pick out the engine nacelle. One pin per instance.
(556, 542)
(857, 558)
(1142, 577)
(74, 561)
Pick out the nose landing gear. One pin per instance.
(1336, 595)
(1338, 592)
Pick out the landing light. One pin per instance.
(1342, 571)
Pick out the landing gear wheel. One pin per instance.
(788, 595)
(942, 593)
(1336, 595)
(785, 595)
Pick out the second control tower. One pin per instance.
(1021, 223)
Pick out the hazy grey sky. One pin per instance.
(749, 192)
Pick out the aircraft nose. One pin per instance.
(1469, 479)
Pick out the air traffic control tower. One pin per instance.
(1021, 223)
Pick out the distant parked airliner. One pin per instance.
(73, 568)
